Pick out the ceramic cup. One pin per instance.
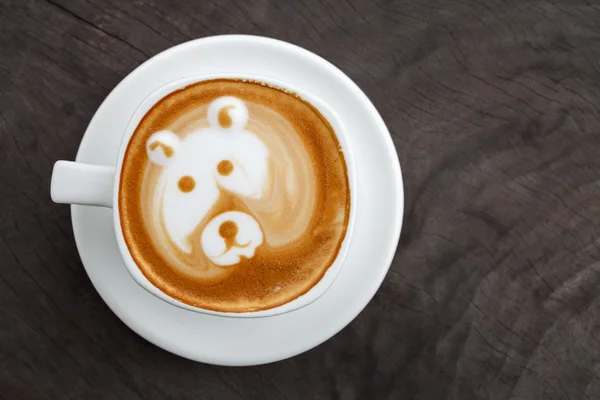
(94, 185)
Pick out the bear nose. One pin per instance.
(186, 184)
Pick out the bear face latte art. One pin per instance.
(234, 196)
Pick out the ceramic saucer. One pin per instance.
(380, 203)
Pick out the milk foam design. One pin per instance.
(224, 156)
(224, 242)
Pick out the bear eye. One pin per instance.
(225, 167)
(186, 184)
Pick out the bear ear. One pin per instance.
(162, 147)
(227, 113)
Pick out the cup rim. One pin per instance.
(344, 140)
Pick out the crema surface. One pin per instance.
(234, 195)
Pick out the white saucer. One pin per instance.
(234, 341)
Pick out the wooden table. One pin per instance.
(494, 108)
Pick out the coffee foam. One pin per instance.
(230, 236)
(223, 156)
(233, 196)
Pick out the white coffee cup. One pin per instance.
(94, 185)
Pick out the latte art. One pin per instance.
(234, 196)
(209, 160)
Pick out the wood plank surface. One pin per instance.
(494, 110)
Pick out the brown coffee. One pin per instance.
(234, 195)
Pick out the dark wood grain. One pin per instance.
(494, 108)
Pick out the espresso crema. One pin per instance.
(234, 195)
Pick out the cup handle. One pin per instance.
(85, 184)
